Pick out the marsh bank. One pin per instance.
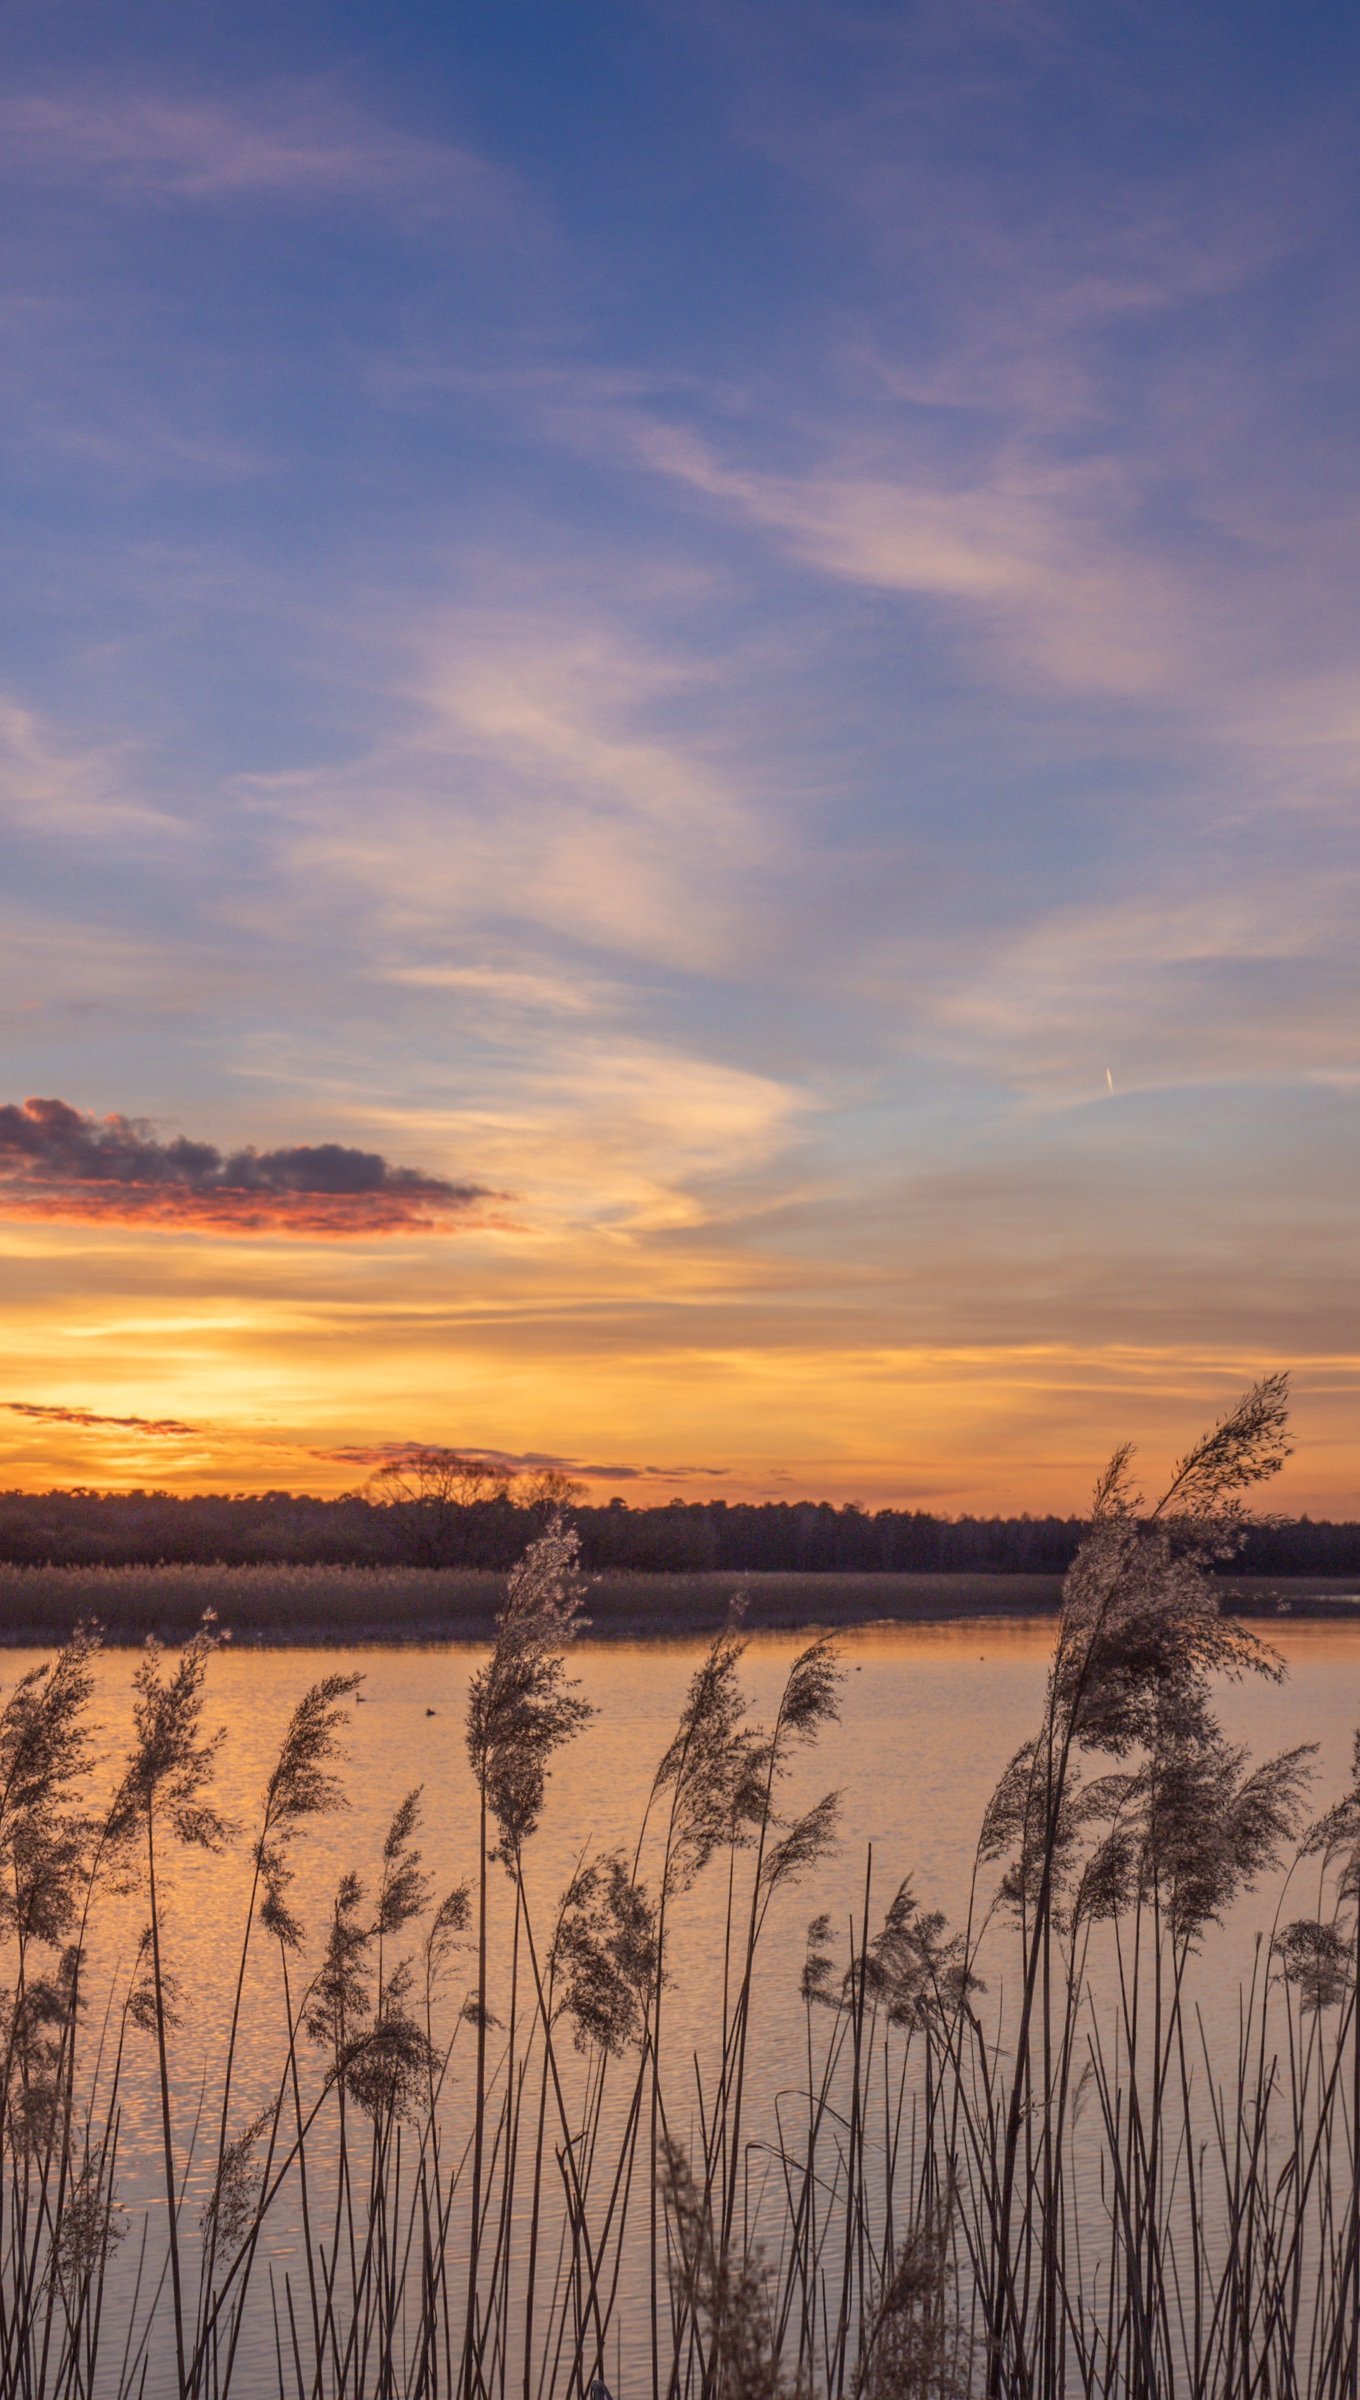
(306, 1605)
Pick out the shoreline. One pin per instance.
(346, 1607)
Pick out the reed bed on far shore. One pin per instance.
(297, 1606)
(1007, 2165)
(300, 1604)
(293, 1604)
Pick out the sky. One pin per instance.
(678, 729)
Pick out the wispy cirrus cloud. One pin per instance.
(50, 785)
(59, 1163)
(626, 1138)
(304, 143)
(529, 777)
(1038, 551)
(1249, 979)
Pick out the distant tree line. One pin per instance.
(429, 1522)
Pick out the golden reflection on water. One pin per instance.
(930, 1714)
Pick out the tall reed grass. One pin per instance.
(1011, 2160)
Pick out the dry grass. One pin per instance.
(358, 1605)
(270, 1604)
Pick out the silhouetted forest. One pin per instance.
(79, 1528)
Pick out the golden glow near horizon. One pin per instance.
(241, 1368)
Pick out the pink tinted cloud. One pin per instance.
(60, 1164)
(302, 143)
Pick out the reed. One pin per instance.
(297, 1605)
(1013, 2160)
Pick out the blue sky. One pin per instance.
(737, 625)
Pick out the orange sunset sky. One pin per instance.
(678, 725)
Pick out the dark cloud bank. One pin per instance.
(59, 1163)
(49, 1413)
(414, 1455)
